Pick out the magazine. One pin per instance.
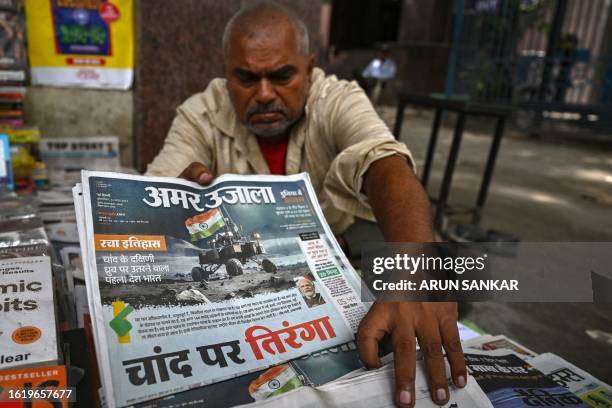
(6, 169)
(27, 319)
(594, 392)
(47, 385)
(511, 382)
(13, 60)
(190, 285)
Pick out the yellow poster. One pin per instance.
(81, 43)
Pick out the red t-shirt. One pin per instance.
(275, 154)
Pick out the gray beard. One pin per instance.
(310, 295)
(282, 128)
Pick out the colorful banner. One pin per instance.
(81, 43)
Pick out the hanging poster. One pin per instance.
(12, 42)
(81, 43)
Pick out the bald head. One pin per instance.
(257, 20)
(268, 68)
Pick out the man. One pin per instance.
(275, 113)
(309, 293)
(378, 72)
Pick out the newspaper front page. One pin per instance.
(191, 285)
(592, 391)
(511, 382)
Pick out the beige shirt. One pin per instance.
(336, 141)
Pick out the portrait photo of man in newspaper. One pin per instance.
(309, 291)
(275, 113)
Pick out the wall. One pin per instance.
(424, 44)
(64, 112)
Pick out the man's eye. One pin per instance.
(282, 78)
(247, 81)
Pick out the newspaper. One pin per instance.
(509, 381)
(313, 370)
(594, 392)
(190, 285)
(310, 370)
(488, 342)
(285, 385)
(375, 389)
(65, 157)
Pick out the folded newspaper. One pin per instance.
(190, 285)
(591, 390)
(322, 368)
(375, 388)
(510, 381)
(488, 342)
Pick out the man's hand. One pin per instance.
(198, 173)
(435, 325)
(402, 211)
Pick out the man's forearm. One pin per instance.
(402, 210)
(399, 203)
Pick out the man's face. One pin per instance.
(268, 78)
(306, 288)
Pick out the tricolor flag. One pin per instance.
(204, 225)
(276, 380)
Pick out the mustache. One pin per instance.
(267, 108)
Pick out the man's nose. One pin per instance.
(265, 92)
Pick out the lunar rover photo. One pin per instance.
(233, 249)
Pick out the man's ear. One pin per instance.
(311, 64)
(224, 68)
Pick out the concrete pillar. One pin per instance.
(424, 42)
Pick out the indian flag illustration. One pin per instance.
(275, 381)
(204, 225)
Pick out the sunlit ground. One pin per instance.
(541, 190)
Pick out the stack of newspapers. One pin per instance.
(238, 293)
(511, 375)
(189, 286)
(64, 159)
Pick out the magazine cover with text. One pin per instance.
(191, 285)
